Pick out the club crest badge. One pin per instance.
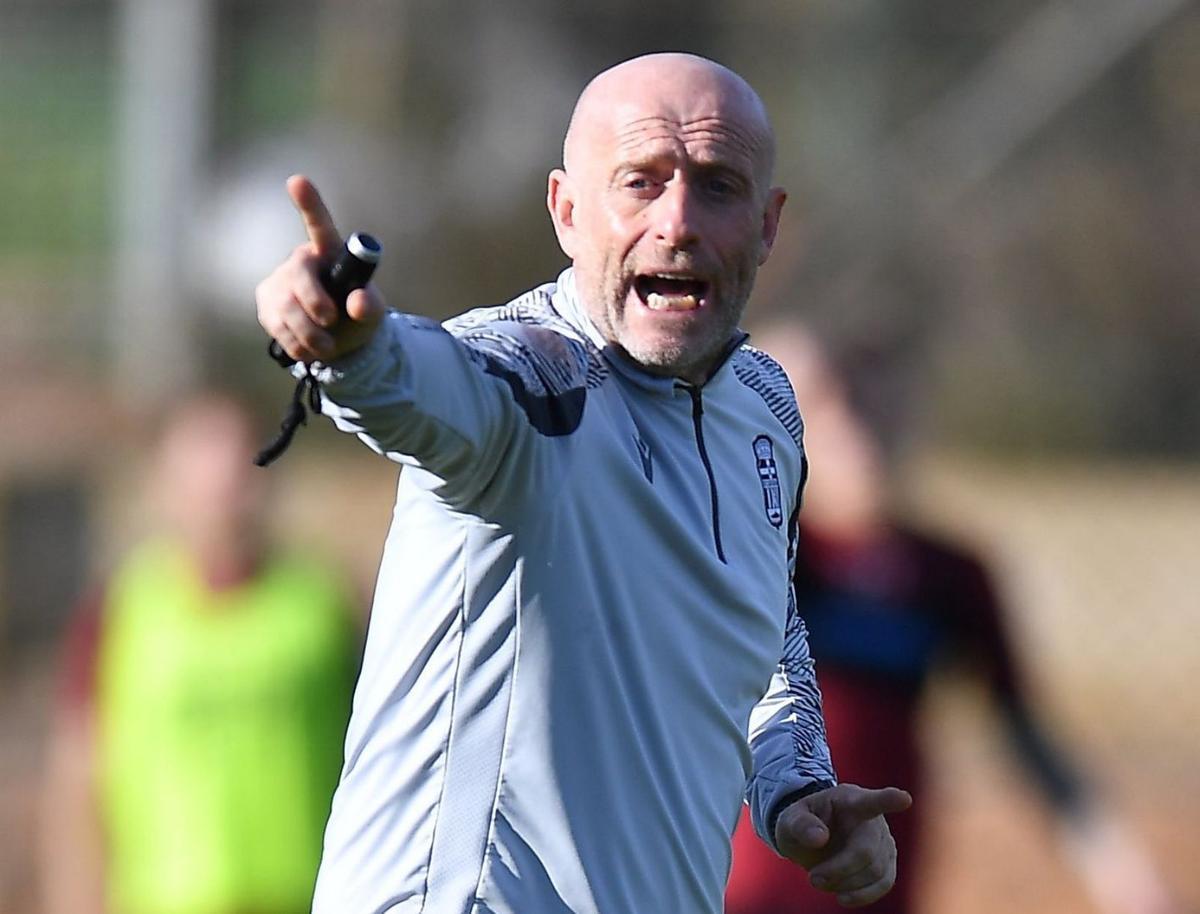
(768, 478)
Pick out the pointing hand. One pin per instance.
(841, 837)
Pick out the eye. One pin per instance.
(640, 185)
(721, 186)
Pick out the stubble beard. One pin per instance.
(680, 356)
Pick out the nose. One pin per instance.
(675, 217)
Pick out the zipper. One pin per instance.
(697, 423)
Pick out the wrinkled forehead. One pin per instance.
(705, 115)
(704, 132)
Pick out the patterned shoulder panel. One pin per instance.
(532, 340)
(765, 377)
(546, 363)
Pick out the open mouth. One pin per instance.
(671, 291)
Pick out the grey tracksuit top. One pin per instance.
(583, 650)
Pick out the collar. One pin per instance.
(567, 303)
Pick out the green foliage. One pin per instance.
(57, 157)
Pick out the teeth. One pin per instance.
(658, 302)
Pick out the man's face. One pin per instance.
(207, 481)
(669, 220)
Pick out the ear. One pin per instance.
(776, 197)
(560, 201)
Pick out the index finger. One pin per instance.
(882, 801)
(317, 221)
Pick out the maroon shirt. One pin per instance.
(881, 616)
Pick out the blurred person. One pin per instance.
(205, 694)
(886, 606)
(582, 644)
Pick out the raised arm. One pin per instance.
(453, 404)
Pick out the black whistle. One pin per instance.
(350, 270)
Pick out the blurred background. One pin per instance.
(1003, 199)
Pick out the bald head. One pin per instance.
(666, 209)
(679, 88)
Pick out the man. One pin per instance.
(206, 691)
(586, 592)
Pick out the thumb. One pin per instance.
(801, 828)
(365, 306)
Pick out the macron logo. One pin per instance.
(647, 458)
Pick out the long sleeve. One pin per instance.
(456, 400)
(787, 732)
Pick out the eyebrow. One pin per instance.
(646, 160)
